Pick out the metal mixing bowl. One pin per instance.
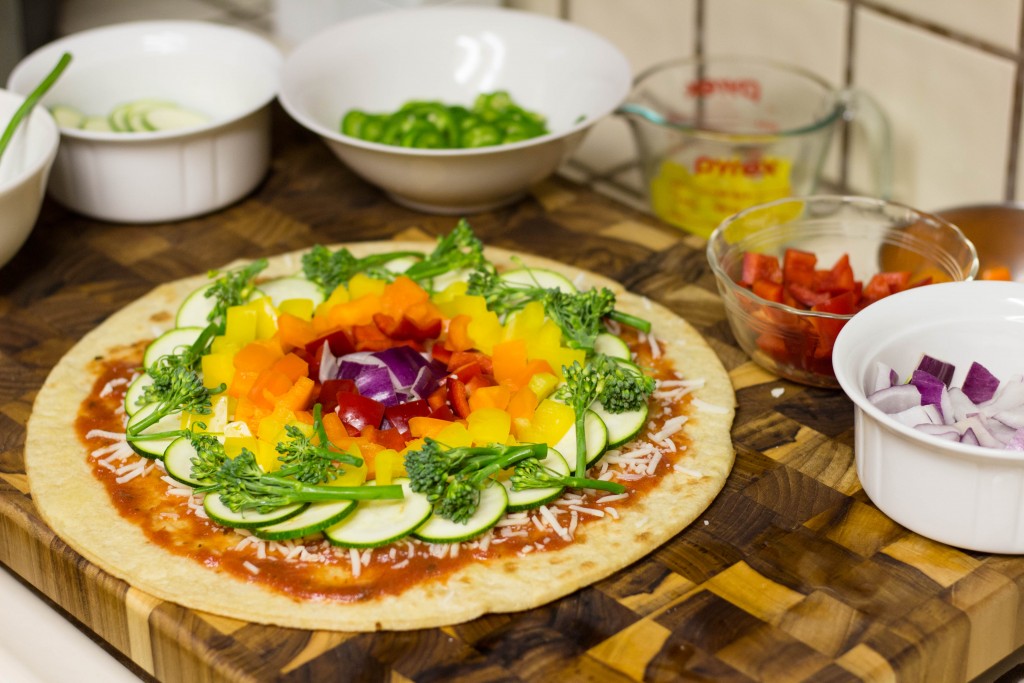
(997, 231)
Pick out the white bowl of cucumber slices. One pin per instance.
(159, 120)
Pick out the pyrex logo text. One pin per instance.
(743, 87)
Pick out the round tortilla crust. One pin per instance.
(77, 507)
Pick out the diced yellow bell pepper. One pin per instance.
(240, 326)
(233, 445)
(267, 456)
(489, 425)
(300, 308)
(551, 421)
(217, 369)
(485, 330)
(387, 463)
(454, 289)
(266, 317)
(524, 323)
(542, 384)
(362, 284)
(353, 476)
(455, 435)
(464, 304)
(222, 344)
(340, 295)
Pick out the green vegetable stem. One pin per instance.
(31, 101)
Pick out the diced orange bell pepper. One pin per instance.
(294, 332)
(490, 397)
(299, 396)
(458, 333)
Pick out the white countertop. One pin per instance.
(39, 645)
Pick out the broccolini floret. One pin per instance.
(619, 387)
(452, 478)
(580, 315)
(532, 474)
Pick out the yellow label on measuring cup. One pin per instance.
(698, 200)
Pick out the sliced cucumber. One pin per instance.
(178, 461)
(194, 311)
(100, 124)
(133, 395)
(153, 448)
(118, 118)
(170, 117)
(493, 503)
(612, 346)
(596, 439)
(312, 520)
(622, 427)
(247, 519)
(67, 117)
(285, 288)
(139, 110)
(169, 343)
(531, 498)
(401, 264)
(379, 522)
(540, 277)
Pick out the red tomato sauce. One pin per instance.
(327, 572)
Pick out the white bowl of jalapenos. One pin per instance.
(453, 109)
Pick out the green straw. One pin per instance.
(31, 100)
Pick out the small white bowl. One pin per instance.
(226, 73)
(24, 169)
(379, 62)
(967, 496)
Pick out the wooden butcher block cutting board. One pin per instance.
(789, 574)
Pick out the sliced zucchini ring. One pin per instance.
(178, 461)
(285, 288)
(539, 277)
(247, 519)
(153, 448)
(531, 498)
(493, 503)
(312, 520)
(169, 343)
(133, 394)
(379, 522)
(596, 440)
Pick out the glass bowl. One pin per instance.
(875, 235)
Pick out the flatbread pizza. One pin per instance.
(121, 505)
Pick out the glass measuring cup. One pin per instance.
(717, 135)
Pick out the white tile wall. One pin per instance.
(950, 108)
(991, 21)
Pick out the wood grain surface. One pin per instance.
(790, 575)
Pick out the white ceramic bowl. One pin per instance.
(24, 169)
(377, 63)
(226, 73)
(963, 495)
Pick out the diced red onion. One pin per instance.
(983, 411)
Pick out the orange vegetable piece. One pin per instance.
(400, 295)
(509, 361)
(490, 397)
(299, 396)
(357, 312)
(291, 366)
(458, 333)
(257, 356)
(426, 426)
(522, 404)
(996, 273)
(294, 332)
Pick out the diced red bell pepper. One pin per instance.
(329, 390)
(806, 296)
(771, 291)
(468, 371)
(798, 267)
(441, 354)
(398, 416)
(358, 411)
(406, 328)
(458, 397)
(760, 268)
(443, 413)
(460, 358)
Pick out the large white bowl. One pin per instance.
(24, 169)
(229, 74)
(379, 62)
(963, 495)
